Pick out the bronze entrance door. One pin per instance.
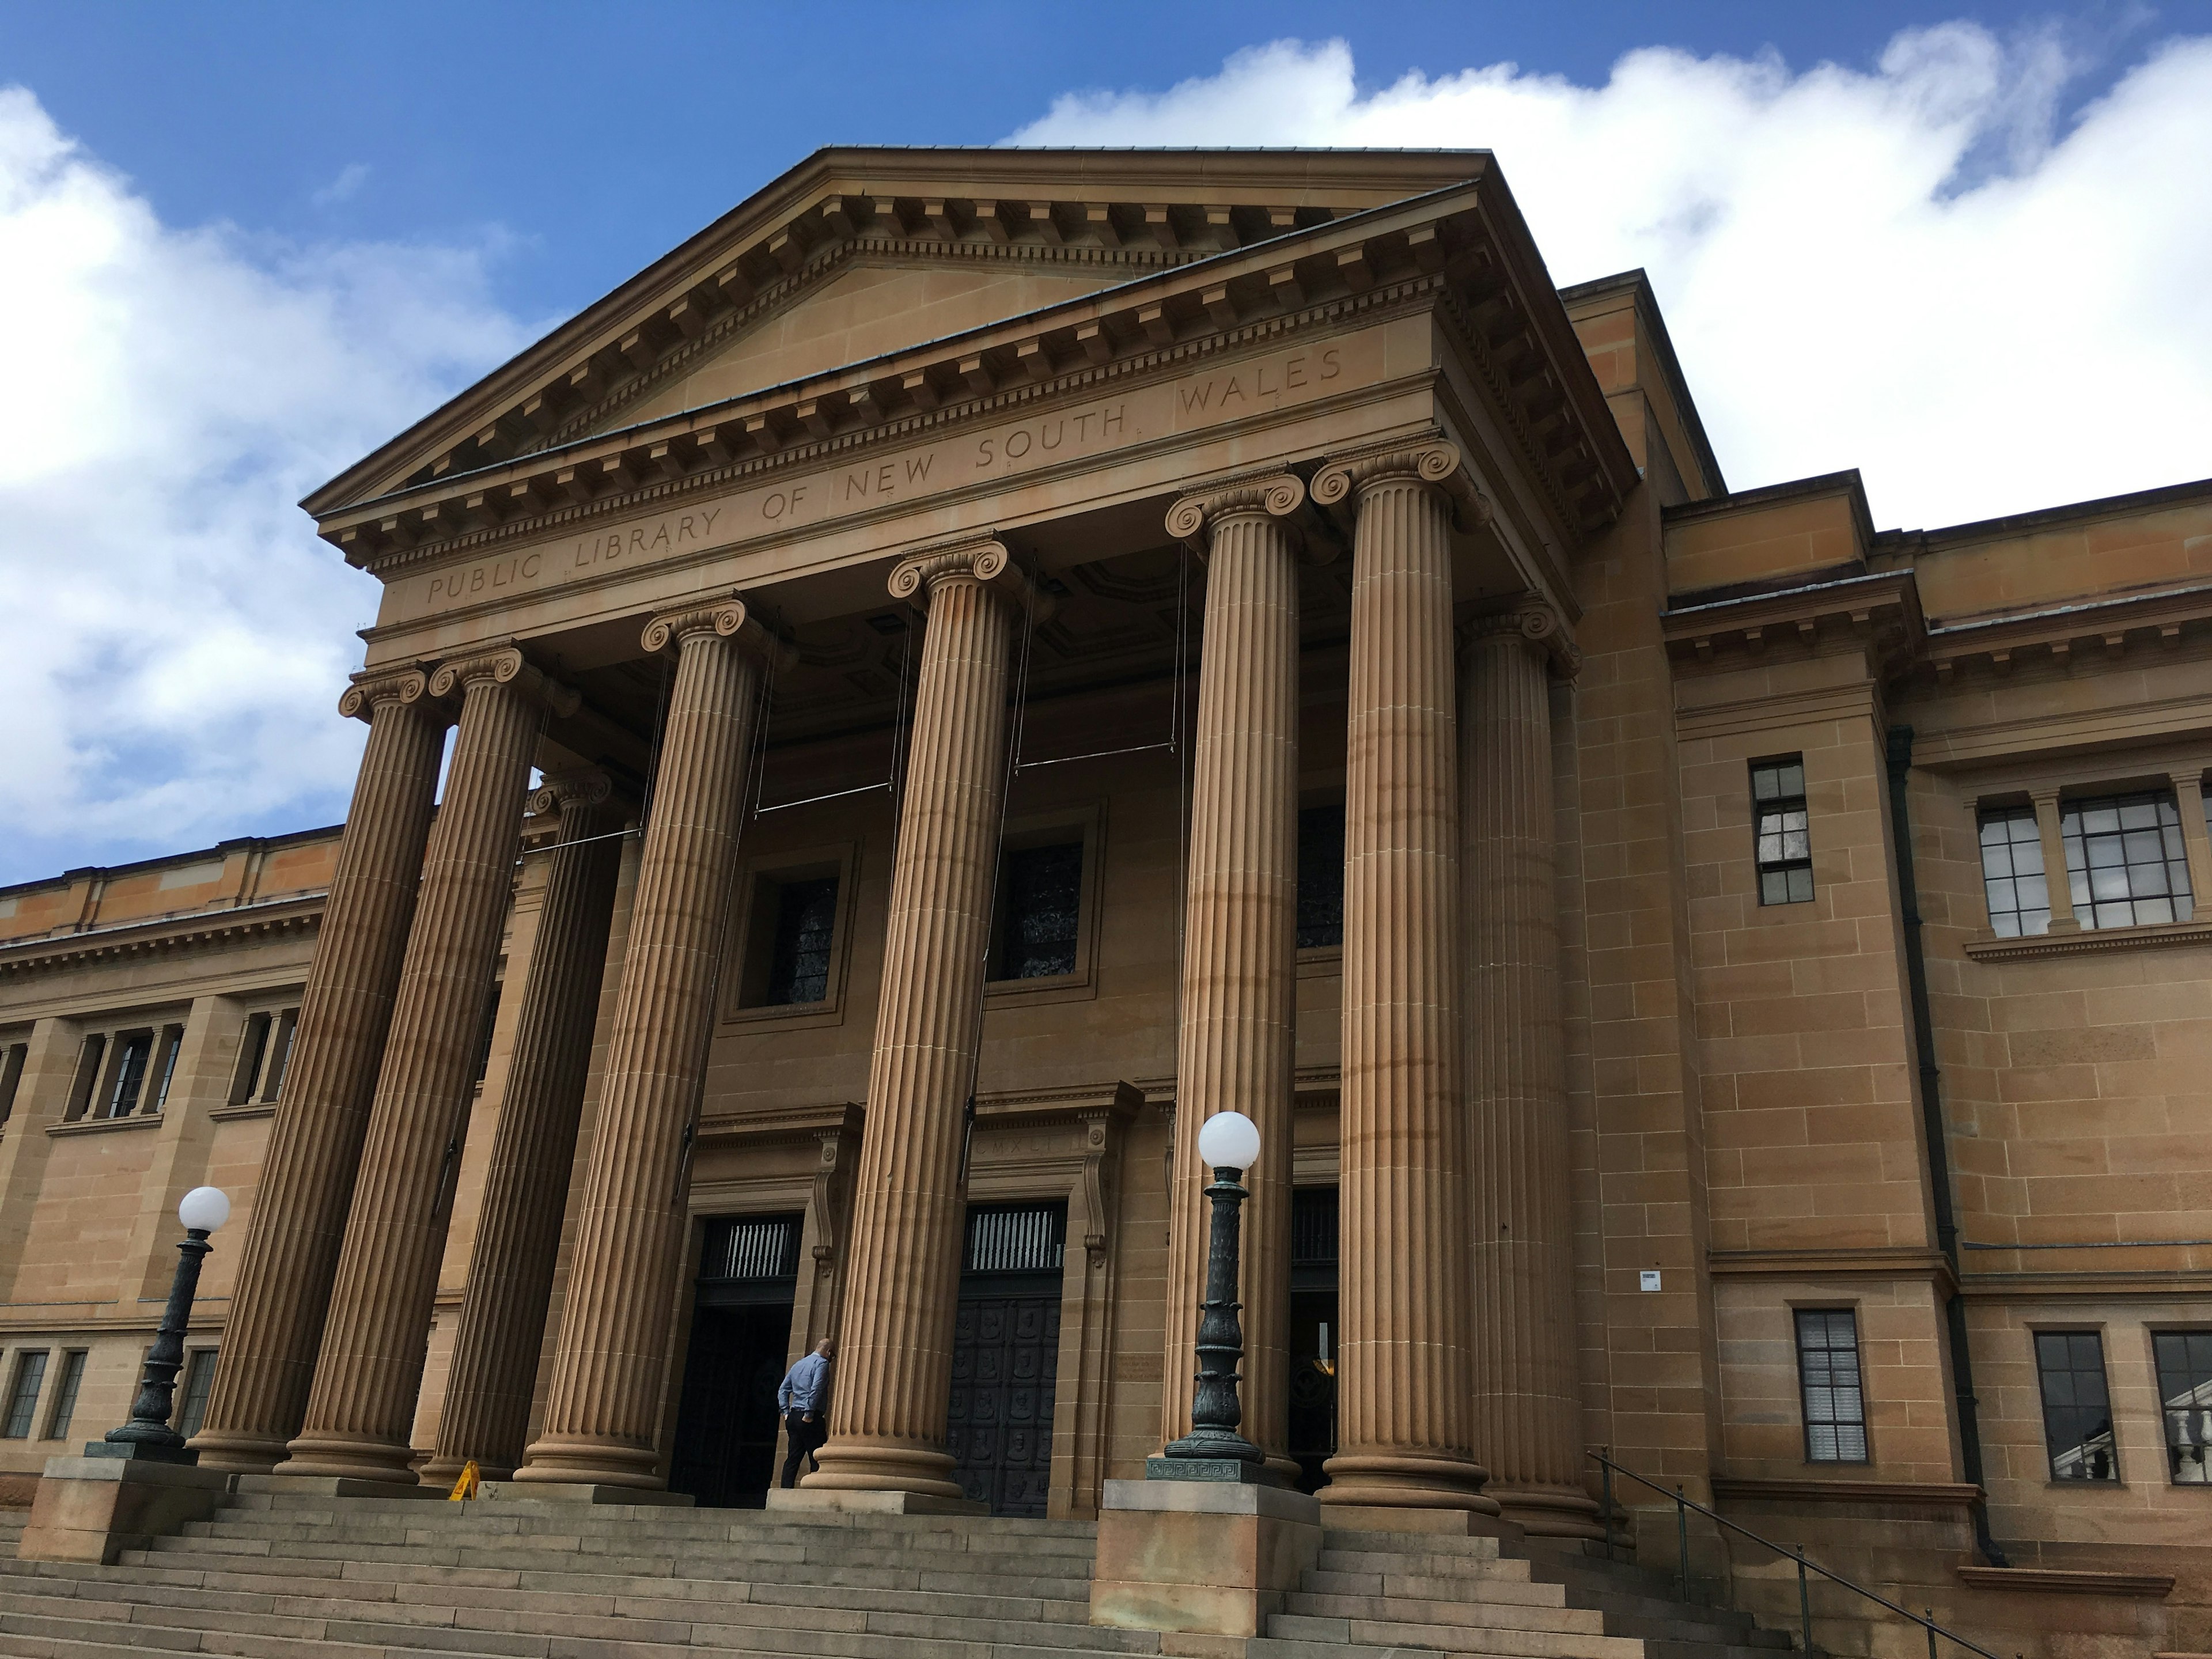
(1005, 1353)
(1312, 1419)
(727, 1423)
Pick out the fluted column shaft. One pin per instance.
(1239, 1014)
(495, 1366)
(369, 1372)
(1528, 1412)
(307, 1179)
(603, 1403)
(1403, 1381)
(887, 1412)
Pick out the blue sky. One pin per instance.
(1962, 247)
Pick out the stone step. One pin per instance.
(796, 1544)
(1007, 1576)
(1322, 1582)
(1485, 1613)
(1493, 1644)
(526, 1625)
(578, 1595)
(1432, 1543)
(1424, 1564)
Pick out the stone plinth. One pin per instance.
(833, 1501)
(92, 1509)
(1212, 1558)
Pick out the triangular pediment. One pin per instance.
(859, 252)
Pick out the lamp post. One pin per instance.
(148, 1434)
(1230, 1143)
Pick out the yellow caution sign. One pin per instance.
(467, 1486)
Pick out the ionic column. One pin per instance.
(1403, 1377)
(895, 1360)
(604, 1401)
(1528, 1409)
(495, 1365)
(361, 1408)
(306, 1180)
(1239, 1015)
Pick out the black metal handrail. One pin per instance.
(1684, 1504)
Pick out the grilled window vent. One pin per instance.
(1016, 1239)
(751, 1248)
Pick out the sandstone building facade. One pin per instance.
(980, 660)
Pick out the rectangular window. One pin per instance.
(2077, 1411)
(165, 1066)
(135, 1053)
(23, 1394)
(88, 1076)
(1321, 876)
(799, 954)
(1785, 837)
(2185, 1389)
(1039, 912)
(251, 1046)
(2125, 861)
(1828, 1381)
(280, 1053)
(66, 1387)
(2012, 873)
(11, 1077)
(192, 1398)
(490, 1030)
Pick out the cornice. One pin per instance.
(1010, 1108)
(2059, 1284)
(2090, 941)
(1878, 610)
(2069, 1581)
(1191, 203)
(1881, 1261)
(273, 919)
(1413, 254)
(1917, 1494)
(774, 1124)
(2111, 627)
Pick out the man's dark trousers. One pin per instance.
(806, 1439)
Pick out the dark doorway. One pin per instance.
(725, 1424)
(1005, 1353)
(1313, 1332)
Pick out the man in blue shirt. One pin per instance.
(803, 1400)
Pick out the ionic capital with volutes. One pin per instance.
(728, 617)
(1262, 494)
(1430, 461)
(406, 685)
(504, 666)
(988, 563)
(580, 785)
(1535, 622)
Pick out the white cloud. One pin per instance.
(173, 636)
(1908, 270)
(351, 177)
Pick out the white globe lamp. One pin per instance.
(1229, 1140)
(204, 1209)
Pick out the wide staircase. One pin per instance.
(292, 1574)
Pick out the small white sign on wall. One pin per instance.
(1648, 1279)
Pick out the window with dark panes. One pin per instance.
(2185, 1392)
(2012, 873)
(23, 1394)
(64, 1410)
(798, 956)
(12, 1060)
(1784, 836)
(2125, 861)
(165, 1066)
(1321, 876)
(1039, 912)
(253, 1046)
(192, 1398)
(490, 1030)
(1828, 1383)
(2077, 1409)
(88, 1076)
(137, 1050)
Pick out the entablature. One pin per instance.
(1876, 612)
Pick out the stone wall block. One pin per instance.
(361, 1408)
(299, 1218)
(603, 1403)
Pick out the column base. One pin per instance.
(582, 1462)
(858, 1466)
(1413, 1482)
(239, 1452)
(1549, 1512)
(445, 1471)
(1209, 1558)
(349, 1457)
